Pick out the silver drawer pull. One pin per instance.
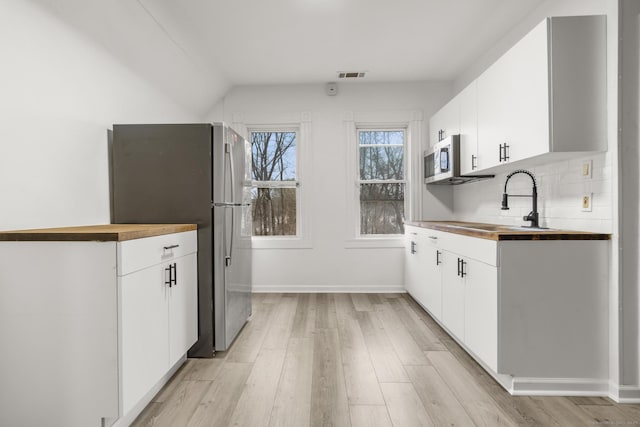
(166, 248)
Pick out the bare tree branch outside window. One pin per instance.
(275, 191)
(382, 181)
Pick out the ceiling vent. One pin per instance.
(351, 74)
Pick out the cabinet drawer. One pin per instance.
(429, 235)
(483, 250)
(134, 255)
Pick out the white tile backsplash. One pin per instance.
(560, 190)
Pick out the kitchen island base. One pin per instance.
(93, 325)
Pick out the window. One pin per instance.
(275, 198)
(381, 162)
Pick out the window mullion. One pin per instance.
(275, 184)
(382, 181)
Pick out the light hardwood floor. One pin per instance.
(354, 360)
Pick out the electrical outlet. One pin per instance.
(587, 201)
(587, 167)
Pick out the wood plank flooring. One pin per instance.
(354, 360)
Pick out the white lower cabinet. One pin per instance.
(143, 333)
(469, 304)
(423, 265)
(414, 263)
(453, 295)
(532, 312)
(431, 292)
(158, 323)
(183, 308)
(99, 326)
(481, 310)
(158, 313)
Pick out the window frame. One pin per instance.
(279, 184)
(412, 122)
(301, 123)
(360, 182)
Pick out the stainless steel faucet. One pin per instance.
(533, 215)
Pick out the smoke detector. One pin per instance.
(351, 74)
(331, 88)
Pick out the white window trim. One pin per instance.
(411, 122)
(301, 124)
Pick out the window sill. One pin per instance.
(280, 243)
(375, 242)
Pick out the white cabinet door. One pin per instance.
(447, 120)
(513, 103)
(481, 311)
(183, 308)
(527, 120)
(468, 100)
(411, 262)
(144, 325)
(493, 100)
(423, 272)
(416, 264)
(452, 295)
(432, 281)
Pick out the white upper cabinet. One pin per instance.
(445, 122)
(513, 109)
(547, 94)
(468, 101)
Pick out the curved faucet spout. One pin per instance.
(533, 215)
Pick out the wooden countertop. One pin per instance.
(100, 233)
(506, 232)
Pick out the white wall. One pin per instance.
(60, 93)
(629, 174)
(560, 190)
(328, 265)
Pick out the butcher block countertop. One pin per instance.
(93, 233)
(506, 232)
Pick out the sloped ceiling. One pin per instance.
(195, 50)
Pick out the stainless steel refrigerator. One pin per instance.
(193, 173)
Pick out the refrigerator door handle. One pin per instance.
(229, 154)
(233, 201)
(227, 249)
(233, 227)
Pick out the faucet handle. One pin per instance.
(505, 202)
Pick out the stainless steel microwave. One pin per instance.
(442, 164)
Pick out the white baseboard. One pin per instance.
(624, 393)
(558, 387)
(373, 289)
